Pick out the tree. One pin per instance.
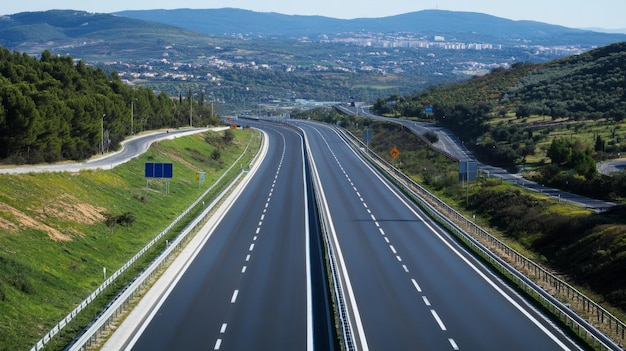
(52, 109)
(560, 151)
(229, 136)
(522, 111)
(600, 144)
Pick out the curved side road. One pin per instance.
(131, 148)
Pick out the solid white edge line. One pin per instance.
(209, 228)
(342, 264)
(471, 265)
(309, 285)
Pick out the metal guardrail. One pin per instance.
(459, 225)
(124, 298)
(345, 328)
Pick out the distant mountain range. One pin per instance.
(57, 25)
(465, 26)
(223, 51)
(65, 27)
(606, 30)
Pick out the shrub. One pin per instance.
(229, 136)
(216, 154)
(431, 136)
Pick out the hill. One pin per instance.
(92, 34)
(587, 86)
(265, 61)
(52, 109)
(63, 24)
(495, 109)
(465, 26)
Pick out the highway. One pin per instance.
(255, 283)
(412, 286)
(452, 147)
(258, 281)
(249, 288)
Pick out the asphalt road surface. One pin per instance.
(131, 148)
(411, 286)
(414, 288)
(451, 146)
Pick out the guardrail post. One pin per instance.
(541, 276)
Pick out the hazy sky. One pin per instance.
(609, 14)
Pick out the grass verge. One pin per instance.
(55, 239)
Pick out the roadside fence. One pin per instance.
(122, 300)
(589, 320)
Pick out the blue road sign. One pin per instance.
(159, 170)
(468, 170)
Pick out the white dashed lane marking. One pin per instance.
(234, 298)
(436, 316)
(438, 319)
(255, 237)
(417, 287)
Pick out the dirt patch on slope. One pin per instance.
(64, 208)
(20, 220)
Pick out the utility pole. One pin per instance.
(190, 109)
(132, 116)
(102, 133)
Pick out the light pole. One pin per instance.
(102, 133)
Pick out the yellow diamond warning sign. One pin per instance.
(394, 152)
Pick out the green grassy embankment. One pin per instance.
(54, 237)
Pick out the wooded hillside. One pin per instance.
(54, 109)
(512, 115)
